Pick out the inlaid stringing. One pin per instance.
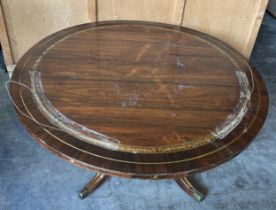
(138, 99)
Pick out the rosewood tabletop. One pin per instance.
(139, 100)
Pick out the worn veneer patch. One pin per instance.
(63, 122)
(240, 110)
(81, 132)
(92, 136)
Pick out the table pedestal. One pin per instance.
(100, 178)
(137, 99)
(95, 182)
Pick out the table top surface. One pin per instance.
(139, 99)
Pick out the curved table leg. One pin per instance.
(95, 182)
(186, 185)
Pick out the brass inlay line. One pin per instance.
(147, 163)
(111, 145)
(117, 160)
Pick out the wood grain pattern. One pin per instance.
(235, 22)
(183, 85)
(92, 9)
(4, 39)
(155, 10)
(29, 21)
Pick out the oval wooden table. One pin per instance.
(139, 100)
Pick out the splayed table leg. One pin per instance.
(95, 182)
(186, 185)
